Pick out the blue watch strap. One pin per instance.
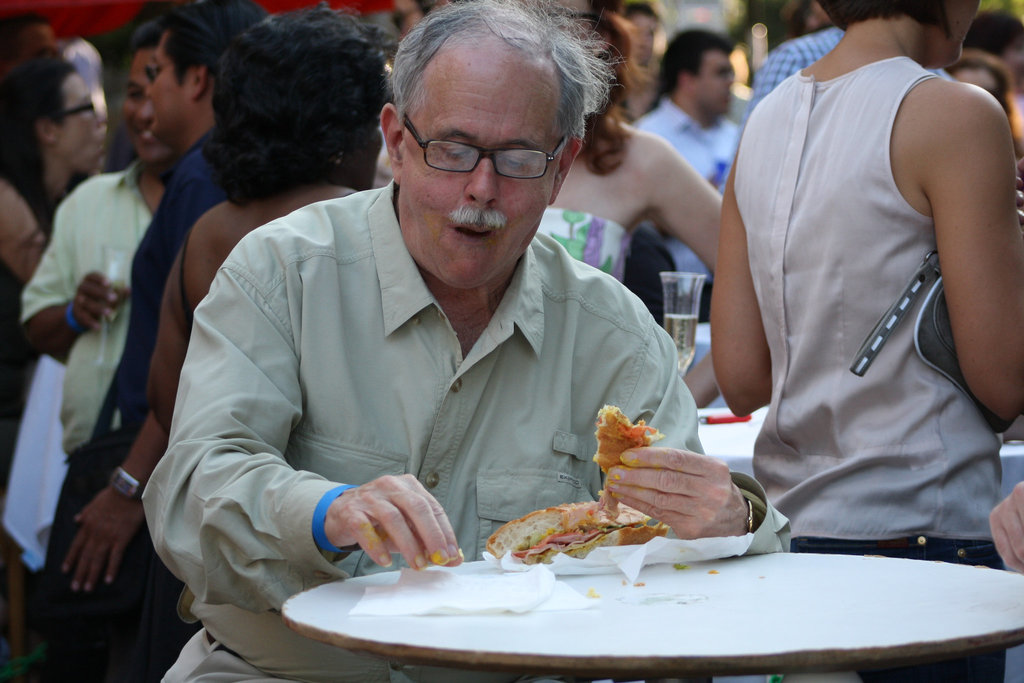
(320, 516)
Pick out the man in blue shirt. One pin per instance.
(181, 89)
(695, 97)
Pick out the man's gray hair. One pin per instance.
(537, 28)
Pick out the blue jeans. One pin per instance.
(986, 668)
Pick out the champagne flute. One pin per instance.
(681, 297)
(116, 268)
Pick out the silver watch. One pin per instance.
(125, 484)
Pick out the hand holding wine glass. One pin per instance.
(681, 298)
(116, 269)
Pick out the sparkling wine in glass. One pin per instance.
(117, 263)
(681, 297)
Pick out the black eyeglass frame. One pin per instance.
(152, 71)
(485, 152)
(71, 111)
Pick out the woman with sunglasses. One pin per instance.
(49, 134)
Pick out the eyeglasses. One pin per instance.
(461, 157)
(80, 109)
(152, 71)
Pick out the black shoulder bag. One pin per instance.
(933, 335)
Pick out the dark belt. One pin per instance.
(217, 645)
(905, 542)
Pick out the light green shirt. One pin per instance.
(320, 357)
(105, 210)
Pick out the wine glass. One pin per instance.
(116, 267)
(681, 296)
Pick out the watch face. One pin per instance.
(124, 484)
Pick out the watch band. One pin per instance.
(125, 484)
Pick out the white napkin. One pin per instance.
(438, 590)
(630, 559)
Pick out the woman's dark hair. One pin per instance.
(604, 143)
(295, 95)
(31, 91)
(846, 12)
(993, 32)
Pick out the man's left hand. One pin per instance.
(690, 492)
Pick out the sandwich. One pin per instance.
(574, 529)
(615, 434)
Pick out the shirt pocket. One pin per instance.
(345, 463)
(506, 494)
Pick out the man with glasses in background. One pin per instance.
(387, 378)
(181, 77)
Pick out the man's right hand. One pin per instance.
(1007, 521)
(94, 299)
(393, 514)
(105, 527)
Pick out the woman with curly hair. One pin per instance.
(296, 101)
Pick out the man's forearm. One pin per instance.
(146, 451)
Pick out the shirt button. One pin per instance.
(921, 540)
(432, 480)
(457, 386)
(961, 553)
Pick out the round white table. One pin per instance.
(779, 613)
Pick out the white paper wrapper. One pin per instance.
(440, 591)
(630, 559)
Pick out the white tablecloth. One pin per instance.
(734, 443)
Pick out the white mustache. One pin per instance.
(492, 219)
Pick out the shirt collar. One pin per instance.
(130, 175)
(404, 293)
(166, 175)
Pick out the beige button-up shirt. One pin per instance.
(320, 357)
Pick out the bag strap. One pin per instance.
(927, 273)
(105, 419)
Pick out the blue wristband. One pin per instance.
(320, 516)
(76, 326)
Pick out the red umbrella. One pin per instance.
(91, 17)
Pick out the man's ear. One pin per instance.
(683, 81)
(199, 81)
(393, 128)
(563, 164)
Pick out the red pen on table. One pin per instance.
(724, 419)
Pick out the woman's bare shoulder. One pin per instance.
(942, 105)
(16, 218)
